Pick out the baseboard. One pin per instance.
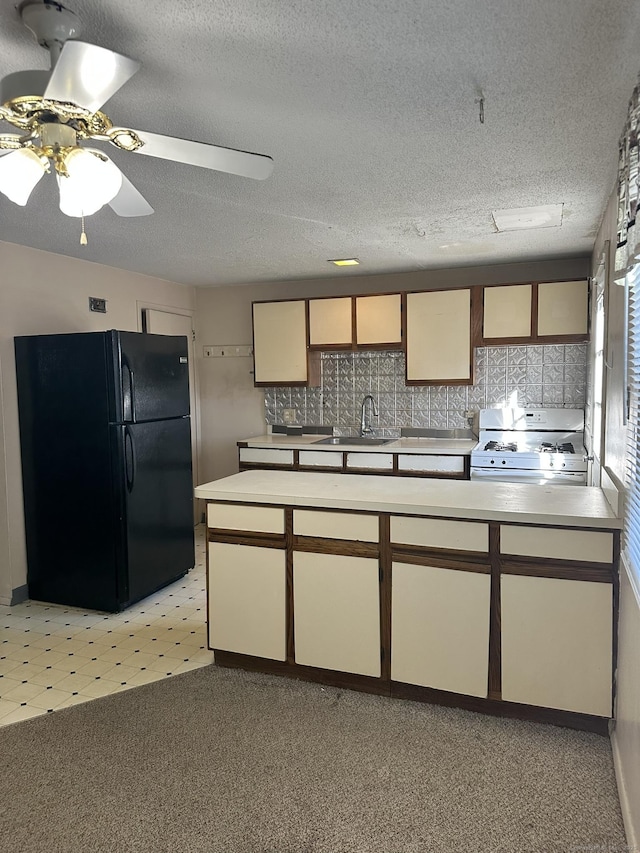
(19, 594)
(632, 832)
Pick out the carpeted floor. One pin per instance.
(219, 761)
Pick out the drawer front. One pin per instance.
(320, 458)
(584, 545)
(373, 461)
(431, 463)
(261, 519)
(438, 533)
(266, 456)
(336, 525)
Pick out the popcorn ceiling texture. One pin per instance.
(549, 376)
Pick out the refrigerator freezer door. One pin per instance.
(151, 377)
(157, 504)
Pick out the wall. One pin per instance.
(626, 732)
(45, 293)
(552, 375)
(231, 408)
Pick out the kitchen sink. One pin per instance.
(345, 439)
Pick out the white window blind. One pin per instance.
(632, 513)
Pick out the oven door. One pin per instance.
(523, 475)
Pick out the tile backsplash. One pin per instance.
(550, 376)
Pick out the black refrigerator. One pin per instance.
(106, 464)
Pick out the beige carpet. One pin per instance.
(218, 761)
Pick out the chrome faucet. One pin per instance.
(365, 424)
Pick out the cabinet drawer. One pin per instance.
(336, 525)
(261, 519)
(320, 458)
(266, 456)
(585, 545)
(374, 461)
(439, 533)
(431, 463)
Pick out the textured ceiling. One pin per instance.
(368, 110)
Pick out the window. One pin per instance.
(632, 514)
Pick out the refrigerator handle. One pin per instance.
(129, 460)
(128, 393)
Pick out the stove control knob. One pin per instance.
(551, 463)
(504, 461)
(564, 464)
(493, 461)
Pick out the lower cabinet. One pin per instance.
(247, 613)
(557, 643)
(440, 628)
(336, 602)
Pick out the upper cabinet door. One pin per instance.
(379, 320)
(439, 338)
(507, 312)
(563, 309)
(280, 343)
(331, 322)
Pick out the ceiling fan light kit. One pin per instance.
(57, 110)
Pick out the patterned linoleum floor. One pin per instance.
(53, 656)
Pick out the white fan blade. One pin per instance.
(258, 166)
(130, 202)
(87, 75)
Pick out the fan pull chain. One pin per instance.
(83, 235)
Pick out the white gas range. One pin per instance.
(542, 446)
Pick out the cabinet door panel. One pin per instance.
(337, 612)
(439, 337)
(247, 600)
(507, 311)
(557, 643)
(379, 319)
(280, 342)
(562, 308)
(440, 628)
(330, 321)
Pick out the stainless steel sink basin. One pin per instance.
(345, 439)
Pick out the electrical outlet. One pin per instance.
(289, 416)
(97, 304)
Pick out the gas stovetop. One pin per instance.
(550, 440)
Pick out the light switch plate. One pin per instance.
(227, 351)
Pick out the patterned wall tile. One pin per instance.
(550, 375)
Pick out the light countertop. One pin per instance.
(573, 506)
(449, 446)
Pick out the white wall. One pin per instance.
(231, 408)
(45, 293)
(626, 731)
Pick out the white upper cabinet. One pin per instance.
(563, 308)
(280, 343)
(507, 311)
(331, 322)
(439, 337)
(378, 320)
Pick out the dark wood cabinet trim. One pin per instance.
(386, 570)
(289, 608)
(439, 560)
(500, 708)
(362, 683)
(494, 686)
(243, 537)
(559, 569)
(343, 547)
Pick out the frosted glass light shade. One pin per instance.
(20, 171)
(91, 183)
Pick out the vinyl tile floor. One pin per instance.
(52, 656)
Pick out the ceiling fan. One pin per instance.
(57, 110)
